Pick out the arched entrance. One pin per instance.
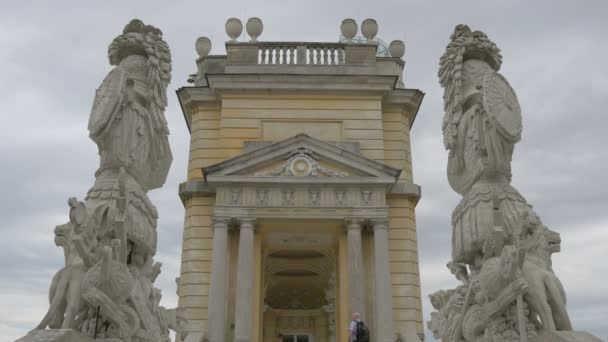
(299, 290)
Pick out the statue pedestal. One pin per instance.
(61, 335)
(55, 335)
(565, 336)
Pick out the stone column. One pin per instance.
(218, 289)
(383, 300)
(356, 278)
(243, 325)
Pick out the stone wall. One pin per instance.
(252, 118)
(196, 261)
(405, 273)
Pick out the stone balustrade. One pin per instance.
(277, 53)
(300, 53)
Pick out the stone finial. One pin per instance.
(369, 28)
(234, 28)
(254, 28)
(348, 29)
(397, 48)
(203, 46)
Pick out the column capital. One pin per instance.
(353, 223)
(220, 222)
(247, 222)
(379, 223)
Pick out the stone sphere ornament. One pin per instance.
(397, 48)
(348, 29)
(203, 46)
(234, 28)
(369, 28)
(254, 28)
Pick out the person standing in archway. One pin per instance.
(357, 330)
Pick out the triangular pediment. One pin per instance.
(302, 157)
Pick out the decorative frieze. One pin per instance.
(314, 197)
(261, 197)
(366, 196)
(304, 196)
(235, 196)
(288, 197)
(340, 197)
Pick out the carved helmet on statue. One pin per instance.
(468, 56)
(143, 53)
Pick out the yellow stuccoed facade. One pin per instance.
(222, 121)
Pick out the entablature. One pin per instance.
(301, 172)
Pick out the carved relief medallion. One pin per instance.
(288, 197)
(315, 197)
(340, 197)
(366, 196)
(261, 196)
(235, 196)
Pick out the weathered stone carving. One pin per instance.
(366, 196)
(302, 162)
(288, 197)
(340, 196)
(546, 295)
(315, 197)
(302, 197)
(501, 251)
(261, 196)
(105, 290)
(64, 293)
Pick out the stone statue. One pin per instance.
(546, 295)
(106, 289)
(481, 126)
(64, 294)
(501, 252)
(127, 120)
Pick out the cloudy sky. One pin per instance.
(53, 56)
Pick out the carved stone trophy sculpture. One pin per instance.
(105, 291)
(501, 251)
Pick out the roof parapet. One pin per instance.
(299, 58)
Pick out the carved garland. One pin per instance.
(301, 163)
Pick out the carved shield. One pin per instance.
(107, 100)
(500, 103)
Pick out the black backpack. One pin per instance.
(362, 332)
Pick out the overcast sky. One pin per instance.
(53, 56)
